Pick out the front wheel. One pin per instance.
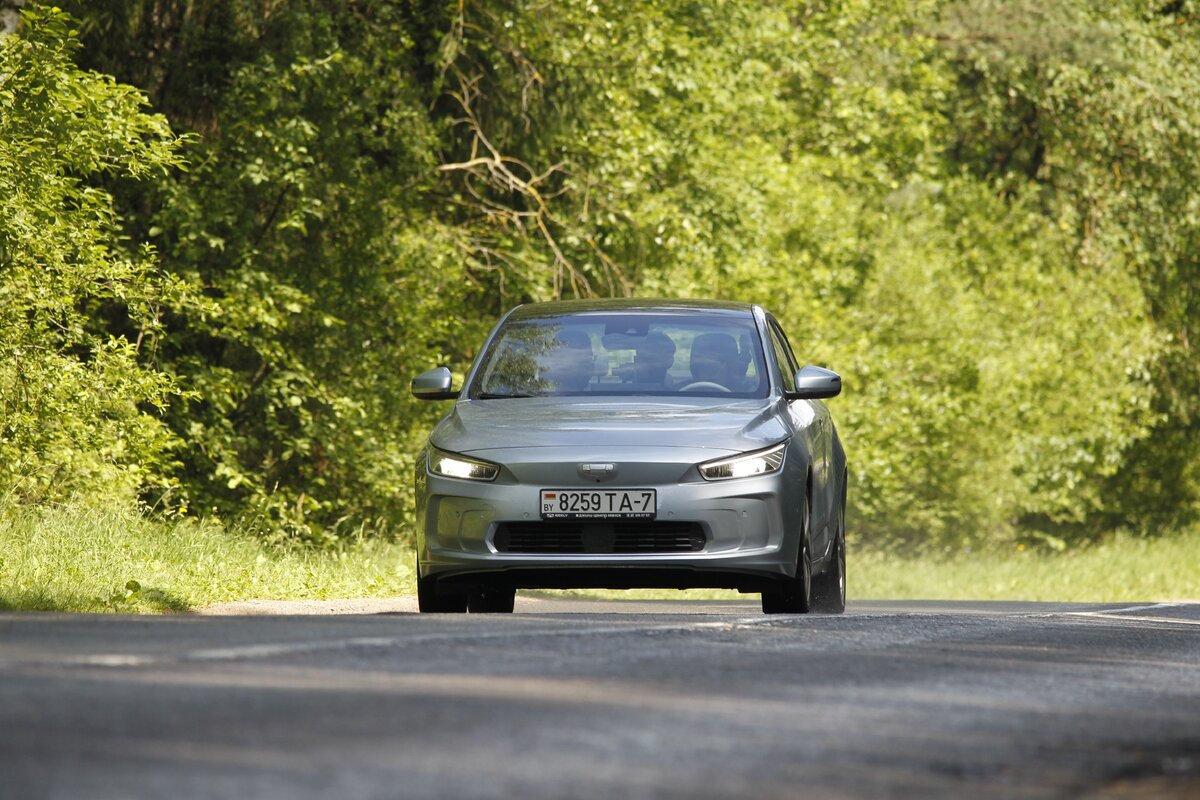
(430, 602)
(794, 595)
(829, 588)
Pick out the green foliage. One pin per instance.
(987, 369)
(80, 317)
(984, 214)
(305, 219)
(1096, 108)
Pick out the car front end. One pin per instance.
(518, 529)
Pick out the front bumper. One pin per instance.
(751, 527)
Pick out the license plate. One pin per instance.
(599, 503)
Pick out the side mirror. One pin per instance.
(433, 385)
(814, 383)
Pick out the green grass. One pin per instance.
(74, 559)
(89, 560)
(1119, 569)
(1122, 568)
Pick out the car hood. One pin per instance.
(476, 426)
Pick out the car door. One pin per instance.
(821, 441)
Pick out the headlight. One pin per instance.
(762, 462)
(453, 465)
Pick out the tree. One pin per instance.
(80, 312)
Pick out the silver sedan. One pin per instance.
(633, 443)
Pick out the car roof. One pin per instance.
(634, 304)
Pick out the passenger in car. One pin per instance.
(572, 363)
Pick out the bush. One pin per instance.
(80, 317)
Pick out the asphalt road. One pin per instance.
(607, 700)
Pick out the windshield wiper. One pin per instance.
(503, 395)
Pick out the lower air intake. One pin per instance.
(599, 537)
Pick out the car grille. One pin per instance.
(599, 537)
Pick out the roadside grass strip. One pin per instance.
(83, 559)
(1120, 569)
(104, 560)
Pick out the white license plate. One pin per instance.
(599, 503)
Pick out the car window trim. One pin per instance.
(779, 341)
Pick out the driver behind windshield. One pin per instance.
(715, 359)
(653, 356)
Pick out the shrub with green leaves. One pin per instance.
(80, 310)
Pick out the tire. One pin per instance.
(491, 601)
(829, 588)
(430, 602)
(794, 595)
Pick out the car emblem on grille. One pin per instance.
(598, 472)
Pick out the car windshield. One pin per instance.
(623, 354)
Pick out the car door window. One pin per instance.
(783, 355)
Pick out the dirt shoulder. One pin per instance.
(364, 605)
